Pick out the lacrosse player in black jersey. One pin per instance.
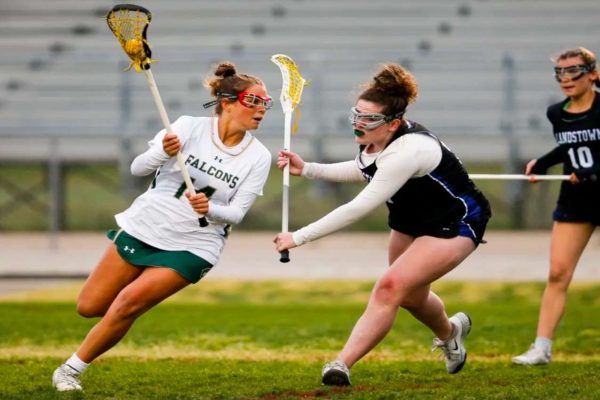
(576, 127)
(436, 214)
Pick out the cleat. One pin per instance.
(336, 373)
(533, 356)
(65, 379)
(454, 348)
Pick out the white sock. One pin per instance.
(75, 362)
(453, 333)
(544, 344)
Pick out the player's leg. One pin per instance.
(152, 286)
(406, 284)
(337, 372)
(568, 242)
(398, 243)
(110, 275)
(149, 289)
(427, 307)
(567, 245)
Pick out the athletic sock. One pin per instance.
(75, 362)
(452, 334)
(544, 344)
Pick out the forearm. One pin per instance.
(346, 171)
(148, 162)
(383, 186)
(234, 212)
(335, 220)
(547, 160)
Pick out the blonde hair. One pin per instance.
(588, 57)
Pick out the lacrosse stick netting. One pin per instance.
(291, 92)
(129, 23)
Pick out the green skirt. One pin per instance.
(138, 253)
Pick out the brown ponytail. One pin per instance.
(393, 87)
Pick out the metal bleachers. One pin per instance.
(61, 69)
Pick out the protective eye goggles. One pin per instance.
(370, 121)
(574, 72)
(246, 99)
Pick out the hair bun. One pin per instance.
(225, 70)
(394, 80)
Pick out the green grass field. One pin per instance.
(268, 340)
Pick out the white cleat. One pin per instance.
(336, 373)
(533, 356)
(65, 379)
(454, 348)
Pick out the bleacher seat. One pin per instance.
(61, 70)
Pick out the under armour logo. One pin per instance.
(129, 249)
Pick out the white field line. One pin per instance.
(257, 354)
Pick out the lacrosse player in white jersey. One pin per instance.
(160, 247)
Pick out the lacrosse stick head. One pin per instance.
(129, 24)
(293, 82)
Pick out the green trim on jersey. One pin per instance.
(138, 253)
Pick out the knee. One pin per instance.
(390, 291)
(126, 307)
(123, 306)
(88, 309)
(560, 273)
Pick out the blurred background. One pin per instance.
(71, 119)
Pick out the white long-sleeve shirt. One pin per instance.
(232, 177)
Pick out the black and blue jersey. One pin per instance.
(443, 203)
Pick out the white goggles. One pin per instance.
(370, 121)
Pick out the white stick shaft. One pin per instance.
(165, 120)
(157, 100)
(287, 139)
(514, 177)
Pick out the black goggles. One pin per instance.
(572, 71)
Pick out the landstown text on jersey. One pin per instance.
(584, 135)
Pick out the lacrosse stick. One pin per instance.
(291, 91)
(517, 177)
(129, 23)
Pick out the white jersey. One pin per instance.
(231, 176)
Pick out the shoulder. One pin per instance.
(413, 134)
(187, 127)
(553, 111)
(596, 106)
(187, 121)
(260, 152)
(421, 151)
(416, 142)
